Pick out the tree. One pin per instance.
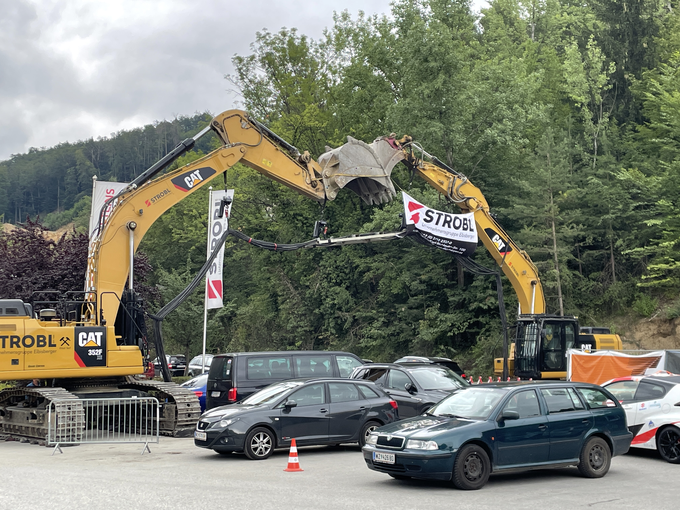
(31, 261)
(587, 80)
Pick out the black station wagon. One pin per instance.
(492, 428)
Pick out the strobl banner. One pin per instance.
(456, 233)
(217, 226)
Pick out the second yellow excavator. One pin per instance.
(542, 340)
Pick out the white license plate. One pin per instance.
(201, 436)
(385, 458)
(215, 394)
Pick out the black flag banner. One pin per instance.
(456, 233)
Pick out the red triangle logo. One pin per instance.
(215, 289)
(415, 218)
(412, 206)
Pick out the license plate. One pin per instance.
(201, 436)
(385, 458)
(215, 394)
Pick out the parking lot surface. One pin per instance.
(176, 474)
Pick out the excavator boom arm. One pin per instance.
(514, 261)
(145, 200)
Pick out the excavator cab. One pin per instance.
(541, 346)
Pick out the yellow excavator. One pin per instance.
(542, 340)
(93, 343)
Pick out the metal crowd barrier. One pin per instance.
(103, 420)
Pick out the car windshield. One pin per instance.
(271, 393)
(437, 378)
(469, 403)
(196, 382)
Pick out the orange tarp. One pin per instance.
(599, 369)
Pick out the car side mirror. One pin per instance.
(410, 388)
(290, 404)
(509, 415)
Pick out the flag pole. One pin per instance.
(205, 296)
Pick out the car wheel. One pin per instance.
(595, 458)
(472, 468)
(668, 444)
(259, 444)
(366, 430)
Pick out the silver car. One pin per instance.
(196, 364)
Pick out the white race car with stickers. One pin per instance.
(652, 405)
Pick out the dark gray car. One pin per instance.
(312, 411)
(415, 386)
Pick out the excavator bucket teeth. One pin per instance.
(363, 168)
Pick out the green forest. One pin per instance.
(565, 114)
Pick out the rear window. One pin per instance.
(367, 392)
(269, 367)
(560, 401)
(649, 391)
(343, 392)
(346, 364)
(314, 366)
(221, 369)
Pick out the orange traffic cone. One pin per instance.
(293, 462)
(490, 380)
(479, 381)
(471, 381)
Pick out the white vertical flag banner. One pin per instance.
(101, 192)
(216, 227)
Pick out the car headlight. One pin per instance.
(224, 423)
(372, 439)
(417, 444)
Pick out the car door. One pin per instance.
(308, 421)
(643, 408)
(625, 391)
(347, 411)
(395, 387)
(525, 440)
(569, 422)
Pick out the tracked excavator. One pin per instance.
(93, 343)
(542, 339)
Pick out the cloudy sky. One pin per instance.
(76, 69)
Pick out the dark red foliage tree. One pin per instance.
(30, 261)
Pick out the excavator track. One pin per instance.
(179, 407)
(24, 411)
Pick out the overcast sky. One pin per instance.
(77, 69)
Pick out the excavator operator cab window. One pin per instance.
(557, 337)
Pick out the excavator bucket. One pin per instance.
(363, 168)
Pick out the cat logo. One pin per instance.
(502, 245)
(90, 338)
(189, 180)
